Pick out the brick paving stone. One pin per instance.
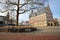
(28, 37)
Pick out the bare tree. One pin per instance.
(20, 8)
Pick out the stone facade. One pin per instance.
(39, 20)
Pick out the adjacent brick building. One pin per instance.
(44, 17)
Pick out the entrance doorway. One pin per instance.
(51, 24)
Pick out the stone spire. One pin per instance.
(47, 9)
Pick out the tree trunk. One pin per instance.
(17, 16)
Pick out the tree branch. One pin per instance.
(12, 3)
(7, 10)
